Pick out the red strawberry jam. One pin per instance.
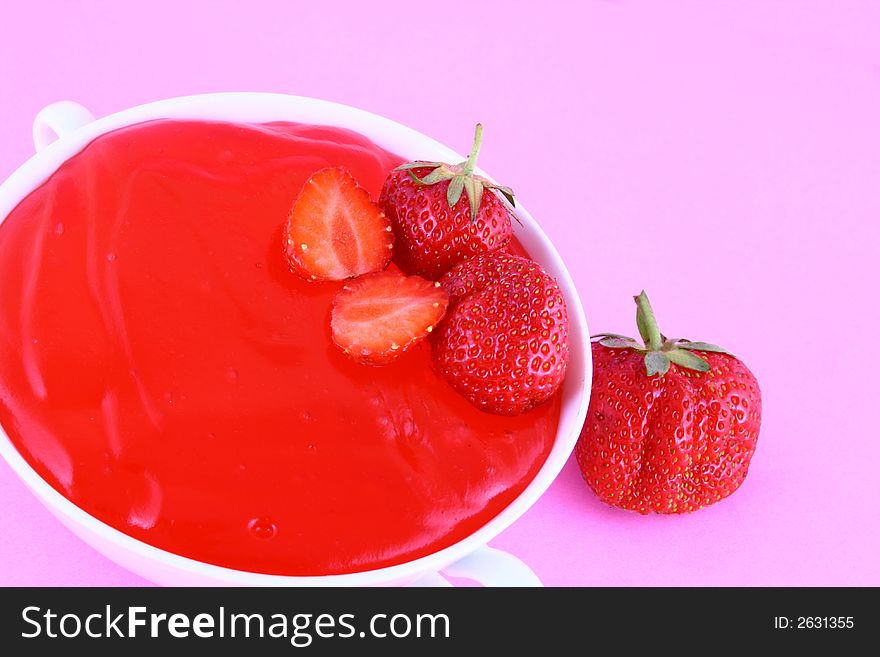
(165, 371)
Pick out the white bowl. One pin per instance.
(63, 129)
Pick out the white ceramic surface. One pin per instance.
(75, 127)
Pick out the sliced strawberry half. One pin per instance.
(335, 231)
(377, 317)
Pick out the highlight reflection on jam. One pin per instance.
(165, 371)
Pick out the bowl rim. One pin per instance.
(258, 107)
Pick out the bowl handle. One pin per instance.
(58, 119)
(489, 567)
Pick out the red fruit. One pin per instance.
(435, 224)
(335, 231)
(377, 317)
(672, 425)
(504, 342)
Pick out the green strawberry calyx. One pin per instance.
(660, 352)
(461, 178)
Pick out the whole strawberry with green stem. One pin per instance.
(672, 424)
(441, 215)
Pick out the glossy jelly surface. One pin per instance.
(165, 371)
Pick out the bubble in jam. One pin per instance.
(262, 528)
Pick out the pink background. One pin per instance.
(725, 156)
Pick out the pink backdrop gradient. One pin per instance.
(724, 156)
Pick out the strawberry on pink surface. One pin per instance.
(441, 215)
(504, 342)
(335, 231)
(377, 317)
(672, 424)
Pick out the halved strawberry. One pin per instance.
(335, 231)
(377, 317)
